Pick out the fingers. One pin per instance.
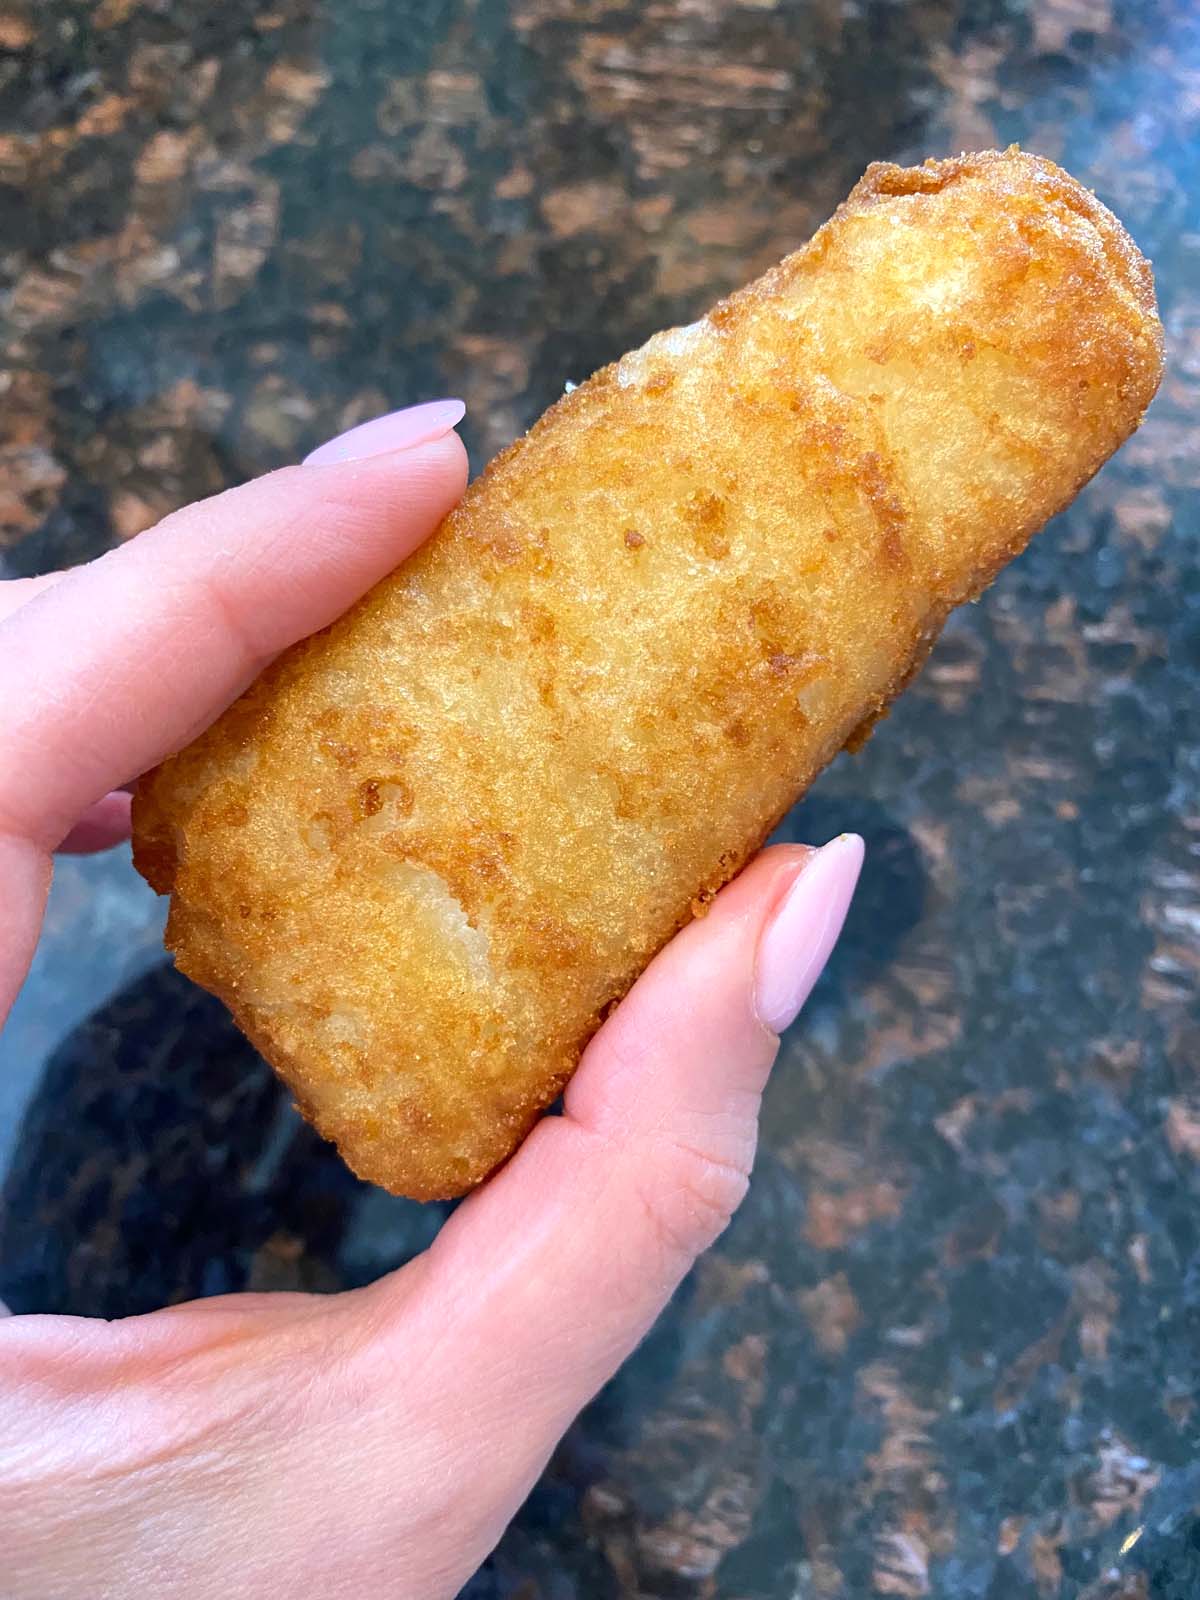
(25, 880)
(100, 827)
(107, 822)
(542, 1283)
(110, 667)
(14, 592)
(120, 662)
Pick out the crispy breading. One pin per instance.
(422, 856)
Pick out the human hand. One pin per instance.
(375, 1442)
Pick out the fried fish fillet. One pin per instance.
(427, 850)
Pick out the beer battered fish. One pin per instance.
(429, 848)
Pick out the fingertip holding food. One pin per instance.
(427, 852)
(103, 825)
(802, 930)
(398, 430)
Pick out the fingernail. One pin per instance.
(399, 430)
(798, 940)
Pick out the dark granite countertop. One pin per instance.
(950, 1347)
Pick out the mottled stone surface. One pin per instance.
(950, 1346)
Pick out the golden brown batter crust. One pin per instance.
(427, 850)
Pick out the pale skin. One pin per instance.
(373, 1443)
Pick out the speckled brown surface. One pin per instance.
(949, 1348)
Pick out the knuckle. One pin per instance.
(691, 1198)
(238, 624)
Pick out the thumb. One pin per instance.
(541, 1284)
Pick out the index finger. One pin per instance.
(121, 662)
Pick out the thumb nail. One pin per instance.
(797, 941)
(399, 430)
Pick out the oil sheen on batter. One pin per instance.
(428, 848)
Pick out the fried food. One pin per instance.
(427, 851)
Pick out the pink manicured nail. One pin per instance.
(399, 430)
(798, 940)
